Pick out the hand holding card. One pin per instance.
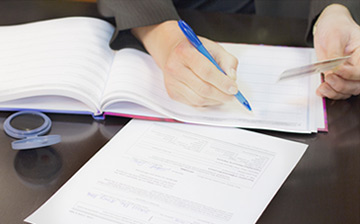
(318, 67)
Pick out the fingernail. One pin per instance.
(233, 90)
(322, 91)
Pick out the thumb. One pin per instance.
(231, 72)
(334, 47)
(228, 63)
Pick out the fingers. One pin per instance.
(324, 90)
(337, 34)
(337, 88)
(191, 78)
(350, 70)
(183, 86)
(208, 72)
(182, 93)
(226, 60)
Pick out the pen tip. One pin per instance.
(242, 100)
(247, 105)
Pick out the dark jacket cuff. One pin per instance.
(135, 13)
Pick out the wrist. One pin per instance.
(159, 39)
(146, 32)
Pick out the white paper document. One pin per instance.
(173, 173)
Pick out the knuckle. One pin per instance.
(173, 95)
(170, 67)
(233, 60)
(331, 95)
(204, 89)
(181, 49)
(205, 72)
(339, 87)
(225, 82)
(345, 74)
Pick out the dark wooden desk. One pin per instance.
(323, 188)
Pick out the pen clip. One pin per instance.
(189, 33)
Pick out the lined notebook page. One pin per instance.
(65, 57)
(287, 106)
(287, 103)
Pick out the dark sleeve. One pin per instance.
(317, 6)
(135, 13)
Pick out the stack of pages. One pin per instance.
(66, 66)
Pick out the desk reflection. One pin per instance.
(38, 167)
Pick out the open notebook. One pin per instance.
(66, 66)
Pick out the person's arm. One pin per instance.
(135, 13)
(337, 34)
(189, 76)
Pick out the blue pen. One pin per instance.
(194, 40)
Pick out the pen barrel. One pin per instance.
(203, 50)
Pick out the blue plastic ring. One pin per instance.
(16, 133)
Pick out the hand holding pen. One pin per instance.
(189, 77)
(194, 40)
